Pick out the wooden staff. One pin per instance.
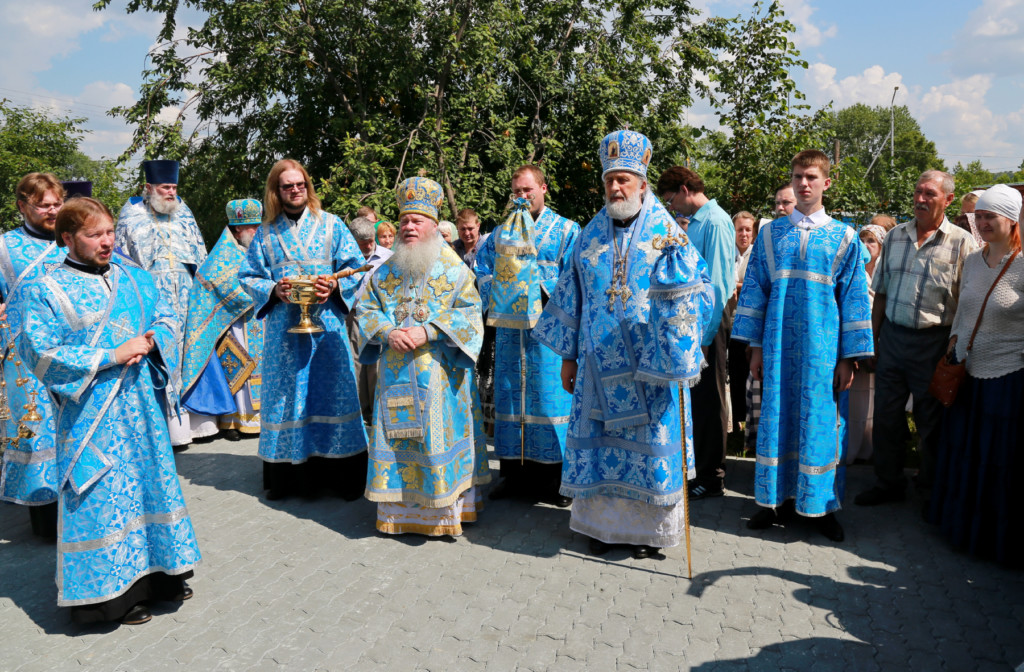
(686, 482)
(345, 272)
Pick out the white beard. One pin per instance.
(162, 207)
(623, 210)
(416, 259)
(243, 239)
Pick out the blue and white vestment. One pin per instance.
(624, 459)
(29, 473)
(122, 514)
(171, 248)
(309, 403)
(543, 409)
(805, 303)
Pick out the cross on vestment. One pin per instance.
(619, 287)
(123, 328)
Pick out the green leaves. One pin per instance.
(369, 92)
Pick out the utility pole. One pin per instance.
(892, 127)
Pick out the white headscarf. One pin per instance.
(1002, 200)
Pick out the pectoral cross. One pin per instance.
(123, 328)
(618, 287)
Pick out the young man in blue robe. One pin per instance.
(102, 341)
(420, 317)
(157, 230)
(530, 423)
(805, 311)
(626, 317)
(311, 427)
(221, 372)
(29, 475)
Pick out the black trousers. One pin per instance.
(707, 399)
(906, 363)
(739, 369)
(156, 586)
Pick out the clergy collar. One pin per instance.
(625, 223)
(811, 221)
(85, 268)
(38, 233)
(293, 217)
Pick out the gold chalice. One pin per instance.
(303, 294)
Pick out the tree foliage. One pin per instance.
(368, 92)
(33, 141)
(753, 96)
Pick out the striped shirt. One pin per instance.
(922, 283)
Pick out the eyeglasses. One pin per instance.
(294, 186)
(44, 207)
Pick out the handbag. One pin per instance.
(949, 374)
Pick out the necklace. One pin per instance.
(619, 288)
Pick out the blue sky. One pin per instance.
(959, 65)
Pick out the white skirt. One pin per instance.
(616, 520)
(402, 517)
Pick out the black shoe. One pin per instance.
(182, 448)
(598, 547)
(137, 615)
(231, 434)
(561, 501)
(642, 551)
(185, 594)
(701, 491)
(879, 495)
(829, 526)
(502, 490)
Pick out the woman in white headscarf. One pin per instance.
(981, 452)
(862, 392)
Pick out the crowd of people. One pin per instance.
(609, 362)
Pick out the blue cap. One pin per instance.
(420, 196)
(626, 150)
(161, 171)
(244, 211)
(74, 188)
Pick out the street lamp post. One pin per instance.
(892, 127)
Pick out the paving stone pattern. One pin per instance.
(308, 584)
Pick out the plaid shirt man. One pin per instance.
(922, 284)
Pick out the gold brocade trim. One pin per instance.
(399, 401)
(398, 496)
(236, 374)
(529, 323)
(428, 530)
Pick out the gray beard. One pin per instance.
(163, 207)
(623, 210)
(416, 260)
(243, 239)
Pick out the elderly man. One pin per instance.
(29, 475)
(917, 286)
(420, 315)
(223, 339)
(531, 408)
(712, 234)
(366, 374)
(626, 317)
(158, 231)
(103, 343)
(311, 428)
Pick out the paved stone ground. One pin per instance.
(309, 585)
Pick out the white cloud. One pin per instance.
(990, 40)
(955, 115)
(872, 87)
(808, 33)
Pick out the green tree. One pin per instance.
(863, 133)
(368, 92)
(33, 141)
(753, 95)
